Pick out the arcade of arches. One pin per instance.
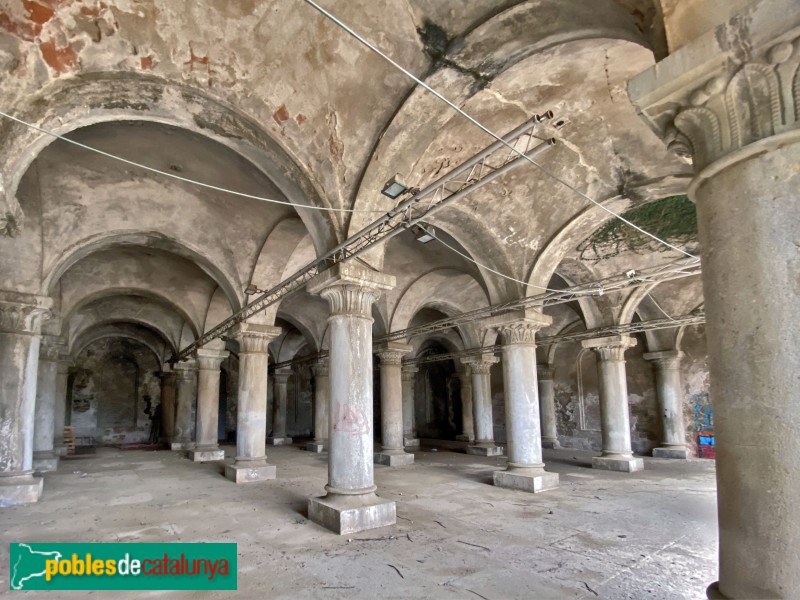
(681, 115)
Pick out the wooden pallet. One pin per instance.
(69, 439)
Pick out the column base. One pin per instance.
(45, 462)
(279, 441)
(345, 514)
(485, 450)
(465, 438)
(61, 450)
(713, 593)
(527, 480)
(180, 446)
(411, 442)
(393, 458)
(249, 471)
(315, 446)
(21, 489)
(626, 464)
(671, 452)
(550, 443)
(206, 455)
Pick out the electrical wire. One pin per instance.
(485, 129)
(184, 179)
(658, 306)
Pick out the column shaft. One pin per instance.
(207, 421)
(60, 420)
(482, 406)
(280, 399)
(408, 373)
(670, 400)
(168, 388)
(392, 444)
(186, 385)
(44, 457)
(322, 395)
(467, 410)
(547, 406)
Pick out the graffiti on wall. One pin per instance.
(704, 426)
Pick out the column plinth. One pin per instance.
(351, 504)
(614, 413)
(467, 417)
(729, 102)
(547, 406)
(392, 453)
(322, 394)
(408, 374)
(20, 330)
(206, 448)
(251, 417)
(280, 398)
(480, 367)
(670, 400)
(525, 469)
(185, 388)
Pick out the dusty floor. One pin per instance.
(647, 535)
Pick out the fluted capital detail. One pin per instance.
(610, 348)
(350, 289)
(186, 370)
(392, 353)
(668, 360)
(210, 359)
(545, 372)
(730, 88)
(23, 313)
(255, 338)
(518, 327)
(480, 365)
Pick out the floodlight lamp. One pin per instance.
(424, 235)
(394, 187)
(250, 290)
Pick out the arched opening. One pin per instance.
(437, 396)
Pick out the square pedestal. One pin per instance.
(317, 447)
(411, 442)
(610, 463)
(60, 450)
(393, 460)
(519, 480)
(681, 453)
(180, 446)
(465, 438)
(485, 450)
(206, 455)
(351, 514)
(14, 491)
(551, 445)
(45, 464)
(244, 473)
(281, 441)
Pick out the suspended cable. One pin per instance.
(658, 306)
(178, 177)
(485, 129)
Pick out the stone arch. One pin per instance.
(145, 334)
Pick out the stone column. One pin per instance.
(207, 419)
(730, 102)
(408, 374)
(279, 400)
(168, 385)
(547, 406)
(351, 504)
(62, 377)
(20, 327)
(186, 387)
(393, 451)
(322, 402)
(525, 470)
(45, 458)
(251, 414)
(670, 400)
(467, 416)
(614, 412)
(482, 406)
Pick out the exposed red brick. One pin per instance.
(300, 118)
(37, 12)
(59, 59)
(147, 63)
(281, 114)
(26, 31)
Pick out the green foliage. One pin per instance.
(673, 219)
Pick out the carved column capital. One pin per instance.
(210, 359)
(610, 348)
(52, 349)
(728, 90)
(392, 353)
(544, 372)
(23, 313)
(186, 370)
(409, 372)
(255, 338)
(480, 365)
(281, 376)
(321, 367)
(350, 289)
(668, 360)
(518, 327)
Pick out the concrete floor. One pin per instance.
(602, 534)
